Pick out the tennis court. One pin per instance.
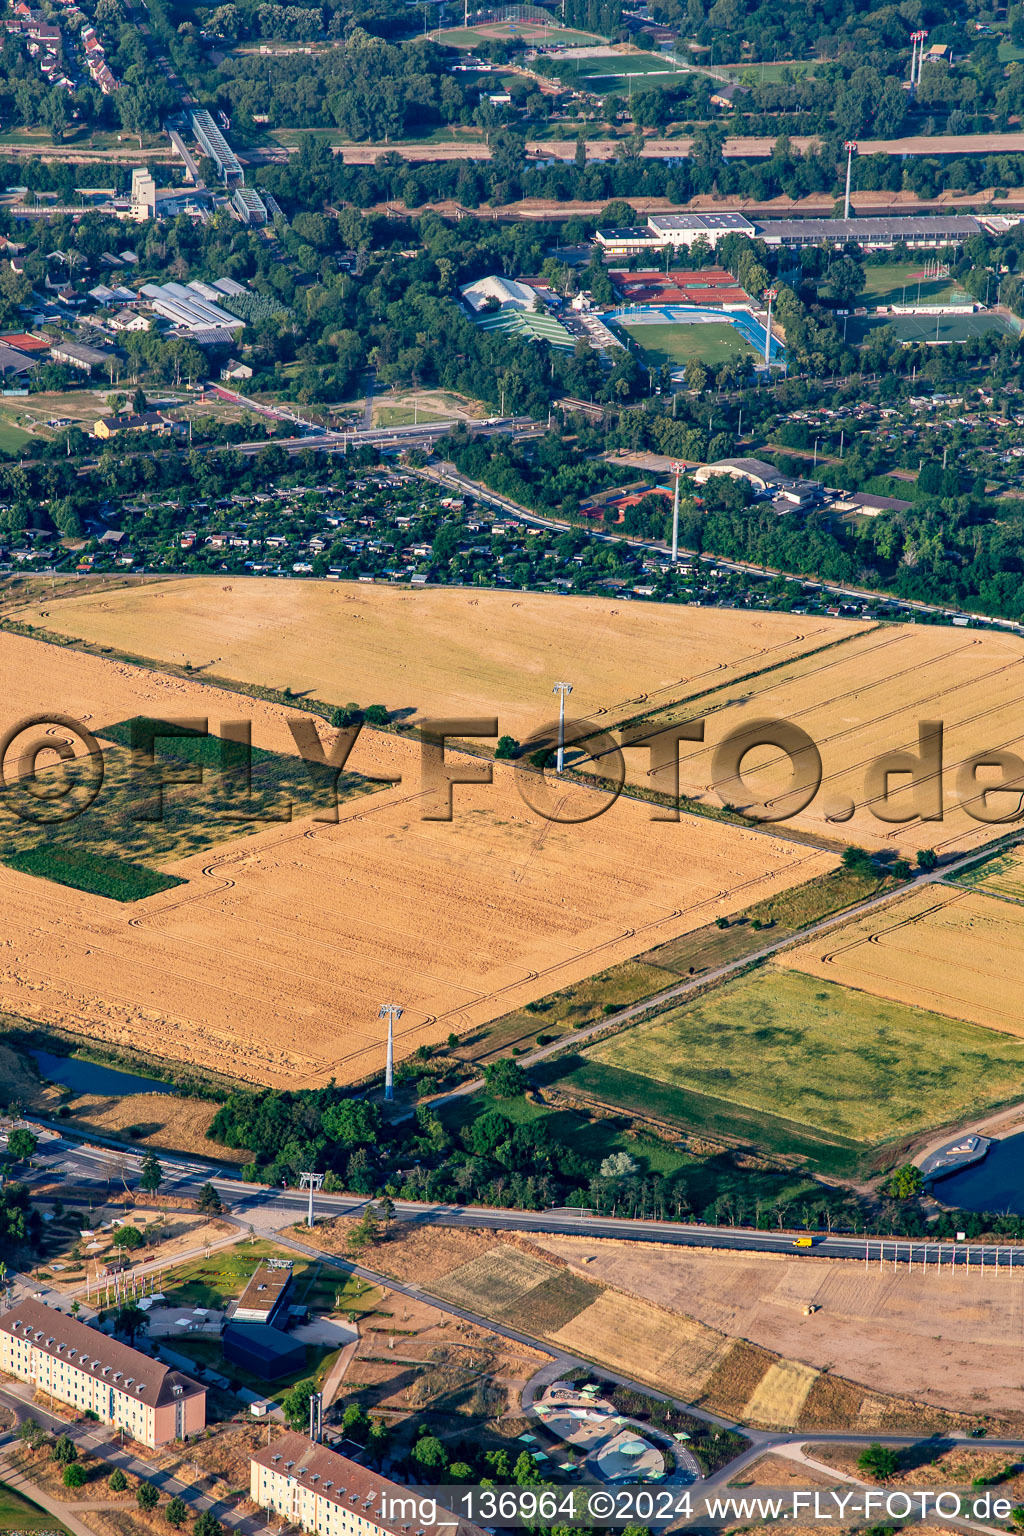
(940, 331)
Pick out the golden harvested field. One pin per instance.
(956, 951)
(941, 1338)
(858, 702)
(160, 1120)
(999, 876)
(271, 962)
(441, 651)
(674, 1353)
(780, 1394)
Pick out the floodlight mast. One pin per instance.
(677, 471)
(769, 295)
(561, 689)
(851, 150)
(391, 1012)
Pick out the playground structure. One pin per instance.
(614, 1448)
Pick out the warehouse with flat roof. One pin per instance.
(928, 231)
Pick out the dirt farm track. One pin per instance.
(271, 962)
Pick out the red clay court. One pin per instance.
(709, 288)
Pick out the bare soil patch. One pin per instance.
(939, 1338)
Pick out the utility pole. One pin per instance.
(851, 150)
(310, 1181)
(391, 1012)
(769, 295)
(561, 689)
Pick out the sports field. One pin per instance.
(441, 651)
(943, 330)
(823, 1056)
(859, 703)
(711, 342)
(613, 73)
(958, 951)
(531, 31)
(270, 962)
(905, 282)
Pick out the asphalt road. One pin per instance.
(270, 1208)
(658, 546)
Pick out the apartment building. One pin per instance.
(320, 1491)
(81, 1366)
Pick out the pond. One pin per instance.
(90, 1077)
(995, 1184)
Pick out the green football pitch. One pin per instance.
(941, 329)
(904, 282)
(679, 344)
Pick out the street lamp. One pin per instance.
(561, 689)
(676, 470)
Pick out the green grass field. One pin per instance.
(703, 949)
(943, 329)
(402, 416)
(104, 875)
(1002, 875)
(611, 73)
(840, 1065)
(473, 37)
(12, 438)
(900, 282)
(20, 1514)
(214, 1281)
(755, 74)
(590, 1138)
(679, 344)
(110, 846)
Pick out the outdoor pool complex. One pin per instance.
(751, 329)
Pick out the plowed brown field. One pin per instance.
(272, 961)
(941, 1336)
